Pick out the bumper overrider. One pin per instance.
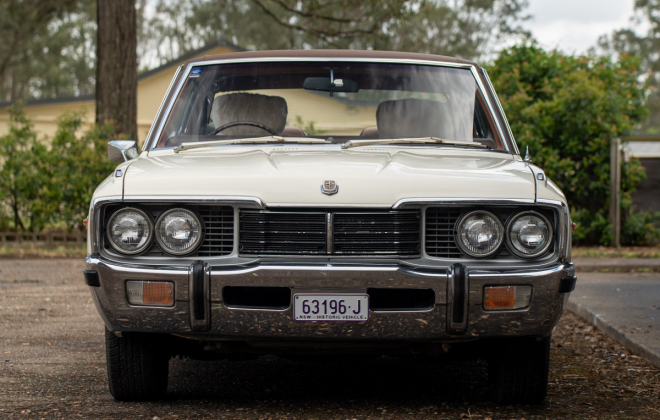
(458, 313)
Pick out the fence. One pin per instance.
(47, 239)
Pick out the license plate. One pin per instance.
(330, 307)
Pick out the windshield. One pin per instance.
(334, 101)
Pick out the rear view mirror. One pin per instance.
(325, 84)
(122, 150)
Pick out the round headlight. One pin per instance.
(179, 231)
(479, 234)
(130, 231)
(530, 234)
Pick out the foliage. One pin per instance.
(47, 48)
(78, 164)
(645, 46)
(308, 127)
(466, 28)
(22, 178)
(641, 228)
(566, 109)
(42, 187)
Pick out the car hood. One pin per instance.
(376, 178)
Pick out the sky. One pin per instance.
(574, 26)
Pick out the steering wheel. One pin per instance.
(250, 123)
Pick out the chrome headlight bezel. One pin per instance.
(170, 251)
(461, 246)
(144, 246)
(509, 243)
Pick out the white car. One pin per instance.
(328, 202)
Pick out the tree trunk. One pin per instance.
(116, 68)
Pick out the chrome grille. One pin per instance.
(329, 233)
(283, 233)
(439, 232)
(219, 234)
(391, 233)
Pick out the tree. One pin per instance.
(646, 47)
(566, 109)
(116, 69)
(45, 46)
(466, 28)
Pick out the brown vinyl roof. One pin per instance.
(331, 54)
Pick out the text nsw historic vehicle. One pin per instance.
(316, 203)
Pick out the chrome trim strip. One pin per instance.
(254, 202)
(94, 220)
(499, 105)
(327, 267)
(404, 202)
(148, 139)
(339, 206)
(475, 273)
(166, 115)
(473, 69)
(523, 274)
(329, 234)
(140, 268)
(564, 225)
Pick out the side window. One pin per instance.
(181, 114)
(484, 131)
(482, 128)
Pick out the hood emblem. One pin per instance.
(329, 187)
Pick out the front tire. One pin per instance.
(519, 371)
(137, 366)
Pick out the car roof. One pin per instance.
(397, 55)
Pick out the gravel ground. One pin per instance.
(53, 366)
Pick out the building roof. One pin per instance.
(330, 54)
(183, 58)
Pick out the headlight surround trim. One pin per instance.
(509, 244)
(168, 250)
(144, 246)
(457, 233)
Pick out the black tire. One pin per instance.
(519, 369)
(137, 366)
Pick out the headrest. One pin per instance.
(293, 131)
(369, 132)
(268, 110)
(405, 118)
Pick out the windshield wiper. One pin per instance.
(266, 139)
(434, 140)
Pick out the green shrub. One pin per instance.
(23, 180)
(78, 165)
(641, 228)
(567, 109)
(43, 187)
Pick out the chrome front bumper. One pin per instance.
(223, 323)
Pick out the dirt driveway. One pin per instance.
(53, 366)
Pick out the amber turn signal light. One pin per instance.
(503, 298)
(150, 293)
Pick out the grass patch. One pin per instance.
(28, 250)
(622, 252)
